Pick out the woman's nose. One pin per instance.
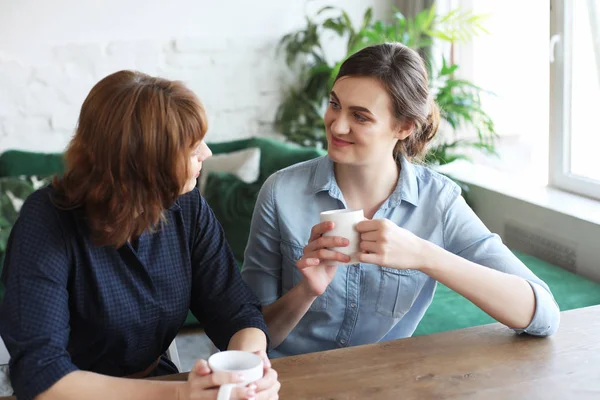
(204, 152)
(340, 126)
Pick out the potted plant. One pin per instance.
(300, 115)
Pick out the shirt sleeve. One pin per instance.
(465, 235)
(262, 258)
(220, 298)
(34, 316)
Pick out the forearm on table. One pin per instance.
(91, 386)
(248, 339)
(509, 299)
(284, 314)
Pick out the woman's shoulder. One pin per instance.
(429, 180)
(40, 219)
(303, 166)
(189, 203)
(296, 175)
(39, 205)
(193, 207)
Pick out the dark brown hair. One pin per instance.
(128, 160)
(403, 73)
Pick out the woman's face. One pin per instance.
(360, 125)
(199, 153)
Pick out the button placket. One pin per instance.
(352, 299)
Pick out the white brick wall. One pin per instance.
(226, 55)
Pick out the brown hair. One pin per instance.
(403, 73)
(128, 160)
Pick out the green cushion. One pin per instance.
(450, 311)
(232, 201)
(16, 162)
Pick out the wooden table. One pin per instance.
(485, 362)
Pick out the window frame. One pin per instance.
(560, 175)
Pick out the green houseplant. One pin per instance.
(300, 115)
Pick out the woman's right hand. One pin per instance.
(315, 263)
(203, 384)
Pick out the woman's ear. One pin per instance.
(404, 129)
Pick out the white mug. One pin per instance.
(345, 226)
(248, 364)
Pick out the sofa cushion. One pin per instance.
(244, 164)
(232, 201)
(17, 162)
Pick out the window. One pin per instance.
(511, 62)
(575, 96)
(541, 60)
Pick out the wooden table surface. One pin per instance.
(485, 362)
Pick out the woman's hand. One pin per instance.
(267, 388)
(385, 244)
(203, 384)
(314, 263)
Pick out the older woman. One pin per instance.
(103, 265)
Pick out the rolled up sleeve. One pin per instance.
(34, 316)
(546, 318)
(466, 235)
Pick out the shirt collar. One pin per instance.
(324, 178)
(406, 189)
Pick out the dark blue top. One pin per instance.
(71, 305)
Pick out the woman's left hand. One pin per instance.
(386, 244)
(267, 388)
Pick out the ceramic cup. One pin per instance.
(248, 364)
(345, 226)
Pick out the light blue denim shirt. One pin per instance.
(366, 303)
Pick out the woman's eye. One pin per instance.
(334, 104)
(359, 117)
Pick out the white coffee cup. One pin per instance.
(242, 362)
(345, 226)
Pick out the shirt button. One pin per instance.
(343, 341)
(353, 305)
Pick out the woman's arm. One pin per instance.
(88, 385)
(473, 262)
(201, 384)
(220, 298)
(248, 339)
(507, 298)
(283, 315)
(263, 268)
(480, 267)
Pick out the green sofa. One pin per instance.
(233, 201)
